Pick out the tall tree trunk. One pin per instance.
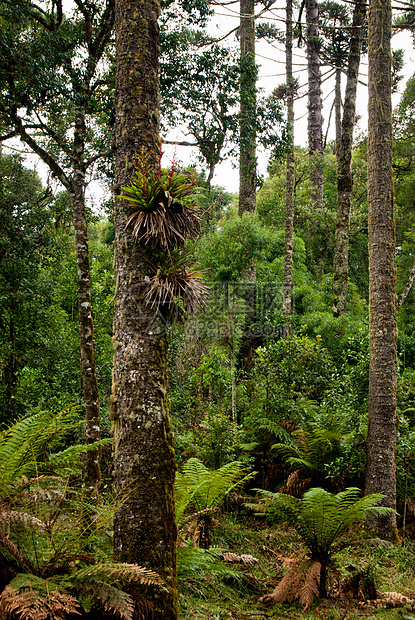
(144, 463)
(338, 106)
(344, 164)
(381, 441)
(408, 286)
(315, 105)
(290, 182)
(92, 476)
(247, 154)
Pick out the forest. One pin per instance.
(207, 398)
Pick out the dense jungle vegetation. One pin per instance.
(268, 404)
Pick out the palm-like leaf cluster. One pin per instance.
(320, 517)
(176, 278)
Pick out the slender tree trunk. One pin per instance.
(290, 182)
(315, 105)
(344, 164)
(338, 107)
(408, 286)
(381, 441)
(92, 475)
(10, 374)
(144, 463)
(247, 155)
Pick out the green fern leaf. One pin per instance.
(113, 573)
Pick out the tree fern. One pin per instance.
(308, 447)
(320, 517)
(199, 488)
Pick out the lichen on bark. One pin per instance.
(382, 427)
(144, 463)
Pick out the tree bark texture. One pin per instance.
(344, 164)
(381, 441)
(144, 462)
(315, 105)
(290, 180)
(92, 476)
(247, 153)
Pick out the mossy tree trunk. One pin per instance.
(92, 475)
(315, 105)
(344, 147)
(247, 153)
(290, 171)
(144, 463)
(381, 441)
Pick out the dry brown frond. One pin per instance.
(15, 552)
(297, 484)
(29, 605)
(11, 517)
(311, 586)
(288, 588)
(232, 558)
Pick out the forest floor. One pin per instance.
(273, 549)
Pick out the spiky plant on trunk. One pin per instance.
(152, 217)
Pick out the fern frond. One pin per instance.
(203, 488)
(68, 463)
(113, 573)
(31, 605)
(106, 598)
(288, 588)
(310, 589)
(196, 561)
(15, 552)
(23, 443)
(12, 517)
(275, 428)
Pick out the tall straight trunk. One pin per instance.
(338, 106)
(381, 440)
(247, 153)
(144, 464)
(408, 285)
(92, 474)
(75, 185)
(315, 105)
(290, 182)
(344, 164)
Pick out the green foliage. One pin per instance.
(320, 517)
(199, 489)
(318, 442)
(299, 366)
(41, 531)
